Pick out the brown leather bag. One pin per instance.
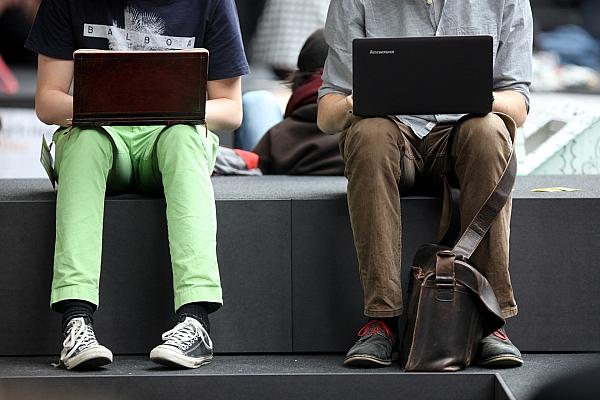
(451, 306)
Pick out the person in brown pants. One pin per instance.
(389, 156)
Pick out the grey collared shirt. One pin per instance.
(438, 6)
(509, 22)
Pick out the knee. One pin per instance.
(483, 135)
(371, 139)
(179, 147)
(178, 138)
(259, 99)
(261, 110)
(89, 143)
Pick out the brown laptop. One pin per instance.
(139, 87)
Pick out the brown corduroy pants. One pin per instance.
(384, 159)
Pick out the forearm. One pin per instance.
(512, 104)
(223, 114)
(334, 113)
(54, 107)
(53, 104)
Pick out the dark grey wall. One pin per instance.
(288, 267)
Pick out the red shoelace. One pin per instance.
(373, 327)
(500, 334)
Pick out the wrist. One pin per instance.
(349, 112)
(349, 105)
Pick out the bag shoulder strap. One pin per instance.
(449, 228)
(476, 230)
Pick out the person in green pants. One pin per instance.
(177, 160)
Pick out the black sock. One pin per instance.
(75, 308)
(195, 310)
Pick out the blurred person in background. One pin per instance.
(282, 29)
(567, 54)
(16, 17)
(296, 146)
(249, 11)
(262, 110)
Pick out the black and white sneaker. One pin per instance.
(81, 350)
(187, 345)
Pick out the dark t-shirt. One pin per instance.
(63, 26)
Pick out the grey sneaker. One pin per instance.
(497, 351)
(81, 350)
(186, 345)
(374, 348)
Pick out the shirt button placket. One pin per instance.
(432, 15)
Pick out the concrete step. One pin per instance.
(288, 266)
(277, 377)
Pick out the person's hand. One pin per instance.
(335, 112)
(350, 103)
(511, 103)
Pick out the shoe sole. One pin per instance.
(171, 358)
(90, 359)
(502, 361)
(368, 361)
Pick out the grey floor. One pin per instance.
(523, 382)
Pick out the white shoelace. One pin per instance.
(184, 333)
(80, 337)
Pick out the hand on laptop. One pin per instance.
(335, 112)
(350, 103)
(512, 103)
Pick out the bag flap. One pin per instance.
(424, 269)
(492, 319)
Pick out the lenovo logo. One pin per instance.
(381, 52)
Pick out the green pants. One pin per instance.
(177, 159)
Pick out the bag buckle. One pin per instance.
(444, 276)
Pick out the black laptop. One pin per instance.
(422, 75)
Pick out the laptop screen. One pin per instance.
(139, 87)
(422, 75)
